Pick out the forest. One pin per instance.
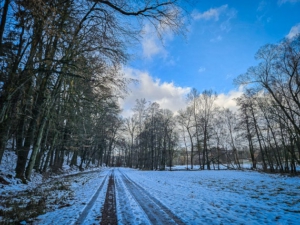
(61, 78)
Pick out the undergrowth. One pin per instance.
(27, 205)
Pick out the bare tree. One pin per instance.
(50, 48)
(184, 119)
(205, 114)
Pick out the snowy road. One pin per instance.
(178, 197)
(89, 206)
(81, 202)
(156, 212)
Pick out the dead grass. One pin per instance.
(27, 205)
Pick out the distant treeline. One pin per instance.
(267, 123)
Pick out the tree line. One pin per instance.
(60, 76)
(265, 128)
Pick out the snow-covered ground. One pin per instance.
(224, 197)
(67, 193)
(86, 188)
(196, 197)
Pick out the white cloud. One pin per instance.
(227, 100)
(167, 95)
(222, 13)
(280, 2)
(295, 30)
(151, 44)
(154, 40)
(211, 14)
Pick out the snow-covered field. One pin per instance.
(224, 197)
(196, 197)
(207, 197)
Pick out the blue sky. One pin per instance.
(222, 40)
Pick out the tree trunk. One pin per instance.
(23, 151)
(3, 21)
(74, 158)
(3, 138)
(35, 149)
(259, 140)
(192, 149)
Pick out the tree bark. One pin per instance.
(36, 147)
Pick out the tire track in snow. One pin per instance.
(109, 209)
(129, 210)
(154, 209)
(88, 207)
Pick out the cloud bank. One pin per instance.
(167, 95)
(227, 100)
